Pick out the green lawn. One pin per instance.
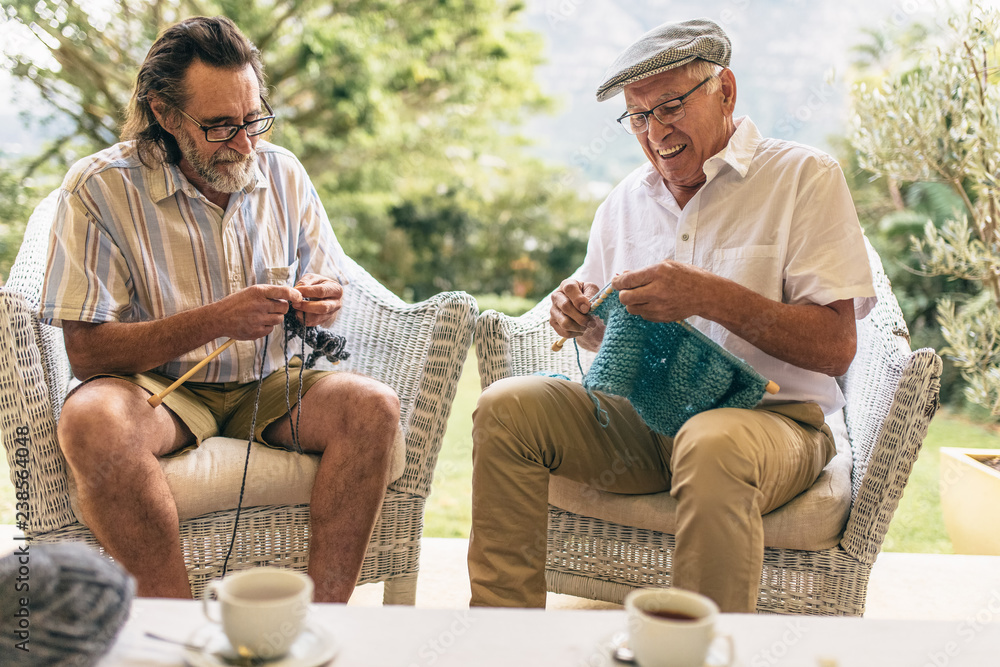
(917, 526)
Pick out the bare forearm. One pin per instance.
(125, 348)
(817, 338)
(248, 314)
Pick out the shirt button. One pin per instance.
(684, 237)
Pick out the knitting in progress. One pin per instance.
(669, 371)
(323, 343)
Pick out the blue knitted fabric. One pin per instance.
(668, 371)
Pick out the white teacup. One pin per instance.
(263, 609)
(670, 627)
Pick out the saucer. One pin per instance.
(313, 648)
(621, 653)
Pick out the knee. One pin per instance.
(376, 408)
(85, 423)
(707, 455)
(382, 401)
(502, 406)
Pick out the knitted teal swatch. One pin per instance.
(668, 371)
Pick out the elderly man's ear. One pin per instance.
(728, 89)
(167, 120)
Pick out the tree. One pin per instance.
(393, 106)
(937, 122)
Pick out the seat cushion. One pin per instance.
(208, 478)
(811, 521)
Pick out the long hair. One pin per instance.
(216, 42)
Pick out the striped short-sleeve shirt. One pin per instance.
(132, 244)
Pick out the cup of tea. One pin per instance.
(670, 627)
(262, 610)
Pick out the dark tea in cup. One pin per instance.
(671, 614)
(670, 627)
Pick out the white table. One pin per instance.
(409, 637)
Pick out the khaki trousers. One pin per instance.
(725, 467)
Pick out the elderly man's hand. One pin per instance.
(667, 291)
(322, 299)
(570, 313)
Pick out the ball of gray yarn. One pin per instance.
(77, 600)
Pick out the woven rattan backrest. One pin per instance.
(26, 278)
(883, 345)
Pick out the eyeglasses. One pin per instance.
(220, 133)
(667, 112)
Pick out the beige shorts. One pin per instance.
(226, 408)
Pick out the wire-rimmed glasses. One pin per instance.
(220, 133)
(667, 112)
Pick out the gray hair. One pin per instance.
(702, 69)
(217, 42)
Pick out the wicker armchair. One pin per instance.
(419, 349)
(891, 393)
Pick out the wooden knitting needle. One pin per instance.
(156, 399)
(595, 301)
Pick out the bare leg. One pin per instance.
(352, 420)
(111, 439)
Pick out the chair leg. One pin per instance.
(400, 590)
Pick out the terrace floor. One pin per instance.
(902, 586)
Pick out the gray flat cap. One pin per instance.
(666, 47)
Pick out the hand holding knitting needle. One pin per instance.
(249, 314)
(570, 314)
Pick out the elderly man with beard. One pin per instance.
(190, 232)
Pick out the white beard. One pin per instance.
(226, 170)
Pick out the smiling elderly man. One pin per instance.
(755, 242)
(191, 231)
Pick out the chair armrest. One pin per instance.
(27, 419)
(512, 346)
(883, 467)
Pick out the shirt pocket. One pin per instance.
(756, 267)
(281, 275)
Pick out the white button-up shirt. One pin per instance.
(774, 216)
(132, 244)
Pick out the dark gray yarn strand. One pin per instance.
(324, 344)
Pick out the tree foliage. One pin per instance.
(937, 121)
(404, 112)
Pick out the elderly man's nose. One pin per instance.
(241, 142)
